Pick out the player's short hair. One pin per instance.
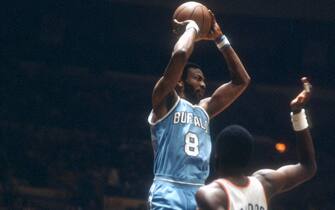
(187, 67)
(234, 146)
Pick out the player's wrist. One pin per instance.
(217, 38)
(222, 41)
(299, 120)
(193, 25)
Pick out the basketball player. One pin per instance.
(180, 118)
(235, 190)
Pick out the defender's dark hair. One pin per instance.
(234, 147)
(187, 67)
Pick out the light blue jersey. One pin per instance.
(182, 144)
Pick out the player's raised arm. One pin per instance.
(289, 176)
(230, 91)
(164, 88)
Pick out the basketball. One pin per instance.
(197, 12)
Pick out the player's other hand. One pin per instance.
(179, 27)
(300, 100)
(215, 31)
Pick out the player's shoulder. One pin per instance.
(213, 186)
(204, 103)
(266, 177)
(210, 196)
(267, 174)
(262, 172)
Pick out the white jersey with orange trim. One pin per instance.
(248, 197)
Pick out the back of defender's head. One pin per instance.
(234, 146)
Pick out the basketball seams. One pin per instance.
(197, 12)
(195, 8)
(179, 12)
(203, 16)
(191, 16)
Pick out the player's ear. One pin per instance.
(180, 85)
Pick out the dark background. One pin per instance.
(76, 79)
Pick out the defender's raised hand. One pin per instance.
(300, 100)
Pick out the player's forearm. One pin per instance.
(306, 153)
(237, 71)
(186, 42)
(174, 70)
(182, 51)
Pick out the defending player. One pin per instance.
(235, 191)
(180, 118)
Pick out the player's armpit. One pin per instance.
(164, 107)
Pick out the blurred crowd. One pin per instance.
(59, 132)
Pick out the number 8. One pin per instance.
(191, 144)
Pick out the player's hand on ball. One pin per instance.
(300, 100)
(180, 27)
(215, 31)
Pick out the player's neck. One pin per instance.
(240, 180)
(187, 97)
(183, 96)
(190, 99)
(232, 174)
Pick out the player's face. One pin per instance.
(195, 85)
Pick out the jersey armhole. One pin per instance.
(221, 183)
(203, 109)
(165, 116)
(267, 199)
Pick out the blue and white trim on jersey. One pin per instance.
(158, 178)
(167, 114)
(172, 109)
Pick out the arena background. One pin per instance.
(76, 80)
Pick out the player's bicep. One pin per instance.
(167, 83)
(159, 92)
(222, 97)
(293, 175)
(160, 110)
(201, 198)
(282, 179)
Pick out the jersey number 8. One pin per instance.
(191, 144)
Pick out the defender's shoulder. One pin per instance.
(211, 197)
